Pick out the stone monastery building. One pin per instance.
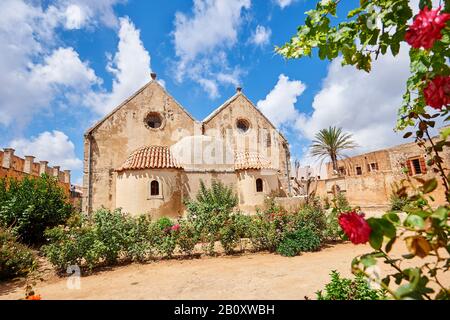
(149, 154)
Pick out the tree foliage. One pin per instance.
(330, 143)
(31, 205)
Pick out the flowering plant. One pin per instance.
(426, 28)
(355, 227)
(425, 231)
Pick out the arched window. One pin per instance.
(259, 185)
(154, 188)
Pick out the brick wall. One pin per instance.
(12, 166)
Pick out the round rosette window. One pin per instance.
(242, 125)
(154, 120)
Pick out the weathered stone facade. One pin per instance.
(368, 179)
(236, 144)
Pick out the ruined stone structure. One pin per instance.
(149, 154)
(368, 179)
(12, 166)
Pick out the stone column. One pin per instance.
(43, 167)
(67, 176)
(28, 167)
(8, 155)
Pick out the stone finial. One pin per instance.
(239, 89)
(28, 166)
(8, 154)
(153, 75)
(43, 167)
(67, 176)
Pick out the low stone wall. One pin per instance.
(290, 203)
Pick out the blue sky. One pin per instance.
(65, 63)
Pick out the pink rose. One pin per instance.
(355, 227)
(426, 28)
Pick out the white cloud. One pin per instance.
(284, 3)
(213, 24)
(261, 36)
(279, 104)
(35, 67)
(364, 104)
(130, 67)
(54, 147)
(201, 41)
(64, 67)
(75, 17)
(26, 87)
(76, 14)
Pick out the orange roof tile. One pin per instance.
(150, 157)
(250, 160)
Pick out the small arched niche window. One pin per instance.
(259, 185)
(154, 188)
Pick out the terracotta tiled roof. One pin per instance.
(250, 160)
(150, 157)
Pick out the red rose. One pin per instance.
(426, 28)
(355, 227)
(175, 227)
(437, 92)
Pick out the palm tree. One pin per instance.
(330, 143)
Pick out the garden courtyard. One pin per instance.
(247, 276)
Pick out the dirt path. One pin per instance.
(250, 276)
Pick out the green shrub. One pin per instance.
(166, 246)
(326, 203)
(73, 246)
(348, 289)
(163, 238)
(341, 203)
(139, 241)
(187, 237)
(211, 211)
(266, 232)
(313, 218)
(164, 223)
(111, 230)
(243, 223)
(230, 235)
(15, 258)
(333, 230)
(103, 240)
(398, 202)
(31, 205)
(301, 240)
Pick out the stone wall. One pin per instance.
(374, 187)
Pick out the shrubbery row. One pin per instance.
(110, 237)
